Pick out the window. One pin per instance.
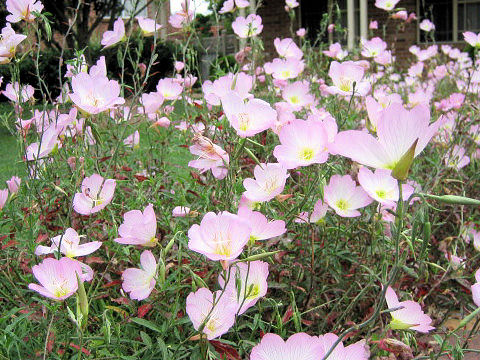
(134, 8)
(451, 18)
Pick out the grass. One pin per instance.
(9, 151)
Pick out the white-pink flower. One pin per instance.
(132, 140)
(476, 289)
(210, 157)
(246, 284)
(69, 245)
(347, 78)
(213, 313)
(300, 346)
(219, 236)
(13, 184)
(138, 228)
(140, 282)
(3, 198)
(426, 25)
(344, 196)
(386, 5)
(149, 26)
(302, 143)
(247, 27)
(114, 36)
(248, 118)
(269, 182)
(23, 10)
(298, 95)
(287, 48)
(380, 186)
(262, 229)
(472, 38)
(357, 351)
(96, 194)
(17, 93)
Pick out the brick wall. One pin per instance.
(276, 23)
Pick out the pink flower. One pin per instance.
(179, 65)
(373, 47)
(69, 245)
(247, 27)
(57, 278)
(302, 143)
(357, 351)
(335, 51)
(456, 158)
(23, 10)
(3, 198)
(298, 346)
(9, 41)
(133, 140)
(210, 157)
(319, 211)
(284, 69)
(94, 93)
(247, 283)
(343, 196)
(219, 236)
(249, 118)
(180, 211)
(213, 313)
(426, 25)
(472, 38)
(113, 37)
(48, 142)
(269, 182)
(169, 88)
(183, 17)
(344, 75)
(140, 282)
(287, 48)
(13, 184)
(17, 93)
(298, 95)
(149, 27)
(229, 5)
(330, 28)
(386, 5)
(476, 289)
(398, 129)
(373, 25)
(138, 228)
(411, 316)
(217, 90)
(400, 15)
(301, 32)
(95, 195)
(262, 229)
(380, 186)
(292, 4)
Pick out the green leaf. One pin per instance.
(147, 324)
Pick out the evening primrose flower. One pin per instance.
(247, 27)
(298, 346)
(472, 38)
(219, 236)
(374, 47)
(9, 40)
(380, 186)
(96, 194)
(269, 182)
(22, 10)
(426, 25)
(114, 36)
(249, 118)
(18, 93)
(398, 130)
(149, 27)
(138, 228)
(246, 285)
(132, 140)
(69, 245)
(302, 143)
(476, 289)
(213, 314)
(262, 229)
(335, 51)
(210, 157)
(343, 196)
(347, 77)
(169, 88)
(457, 159)
(57, 278)
(386, 5)
(3, 198)
(284, 69)
(319, 211)
(94, 93)
(287, 48)
(13, 184)
(298, 95)
(356, 351)
(410, 316)
(140, 282)
(229, 5)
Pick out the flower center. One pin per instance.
(243, 121)
(342, 204)
(307, 154)
(294, 99)
(381, 193)
(345, 85)
(286, 74)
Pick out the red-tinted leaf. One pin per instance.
(143, 310)
(226, 351)
(112, 283)
(288, 314)
(122, 300)
(85, 351)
